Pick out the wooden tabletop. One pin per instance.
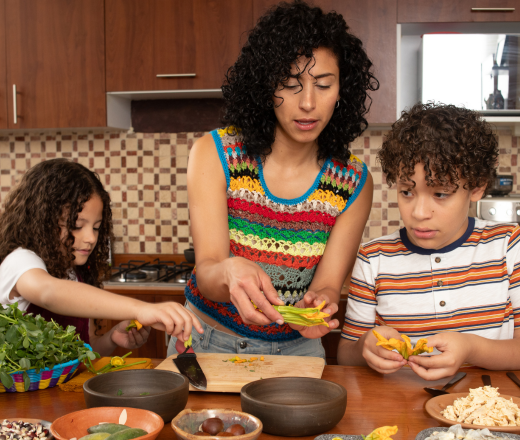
(372, 400)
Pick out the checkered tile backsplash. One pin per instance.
(145, 174)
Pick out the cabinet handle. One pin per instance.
(492, 9)
(176, 75)
(15, 110)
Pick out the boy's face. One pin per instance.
(434, 217)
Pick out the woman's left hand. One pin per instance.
(312, 299)
(131, 339)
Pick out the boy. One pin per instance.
(446, 277)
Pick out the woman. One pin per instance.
(278, 184)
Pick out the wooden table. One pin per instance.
(373, 400)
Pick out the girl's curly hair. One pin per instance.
(286, 32)
(453, 144)
(51, 192)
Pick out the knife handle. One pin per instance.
(187, 355)
(455, 379)
(487, 380)
(513, 377)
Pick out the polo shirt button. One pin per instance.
(439, 283)
(243, 344)
(437, 259)
(442, 303)
(278, 350)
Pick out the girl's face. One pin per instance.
(86, 231)
(304, 111)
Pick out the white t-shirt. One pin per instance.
(12, 268)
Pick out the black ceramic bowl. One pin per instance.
(160, 391)
(295, 406)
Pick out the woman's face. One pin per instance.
(304, 111)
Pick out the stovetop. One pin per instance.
(155, 273)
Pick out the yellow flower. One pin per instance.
(117, 361)
(382, 433)
(404, 348)
(421, 347)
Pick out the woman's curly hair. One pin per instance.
(286, 32)
(453, 144)
(50, 193)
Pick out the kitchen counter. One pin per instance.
(373, 400)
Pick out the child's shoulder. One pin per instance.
(387, 244)
(486, 230)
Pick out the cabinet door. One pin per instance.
(55, 58)
(446, 11)
(3, 83)
(176, 38)
(374, 23)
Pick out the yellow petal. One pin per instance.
(421, 347)
(409, 348)
(379, 337)
(117, 361)
(382, 433)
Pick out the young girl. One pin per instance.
(54, 246)
(277, 201)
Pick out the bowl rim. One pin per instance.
(185, 411)
(245, 395)
(86, 385)
(151, 414)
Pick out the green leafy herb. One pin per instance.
(144, 394)
(119, 392)
(28, 341)
(252, 371)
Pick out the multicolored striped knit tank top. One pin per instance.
(286, 238)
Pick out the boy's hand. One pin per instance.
(455, 348)
(379, 358)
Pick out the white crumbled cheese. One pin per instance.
(457, 433)
(484, 406)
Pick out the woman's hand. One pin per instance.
(248, 282)
(454, 347)
(379, 358)
(171, 317)
(312, 299)
(132, 339)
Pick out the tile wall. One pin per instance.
(145, 174)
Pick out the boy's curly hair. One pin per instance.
(453, 143)
(51, 192)
(286, 32)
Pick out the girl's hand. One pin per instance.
(312, 299)
(171, 317)
(132, 339)
(455, 348)
(379, 358)
(248, 282)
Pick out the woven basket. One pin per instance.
(46, 378)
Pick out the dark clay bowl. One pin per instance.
(295, 406)
(167, 391)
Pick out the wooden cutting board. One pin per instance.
(228, 377)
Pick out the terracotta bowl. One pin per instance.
(295, 406)
(188, 422)
(75, 424)
(163, 392)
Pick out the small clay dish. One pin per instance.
(188, 422)
(163, 392)
(295, 406)
(75, 424)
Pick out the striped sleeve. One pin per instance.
(513, 268)
(361, 306)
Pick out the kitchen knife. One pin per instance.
(513, 377)
(188, 365)
(453, 381)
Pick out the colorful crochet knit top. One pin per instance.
(286, 238)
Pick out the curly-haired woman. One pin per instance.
(55, 231)
(278, 203)
(446, 277)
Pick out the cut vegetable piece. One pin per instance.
(122, 417)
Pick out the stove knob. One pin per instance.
(509, 212)
(518, 212)
(492, 211)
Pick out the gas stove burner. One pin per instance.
(135, 275)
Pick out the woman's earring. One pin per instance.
(337, 103)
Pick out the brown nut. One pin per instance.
(212, 425)
(236, 429)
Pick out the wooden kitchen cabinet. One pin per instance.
(145, 39)
(374, 23)
(3, 83)
(55, 58)
(450, 11)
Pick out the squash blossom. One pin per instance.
(187, 343)
(382, 433)
(117, 361)
(307, 317)
(404, 347)
(134, 324)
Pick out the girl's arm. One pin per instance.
(338, 259)
(71, 298)
(219, 277)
